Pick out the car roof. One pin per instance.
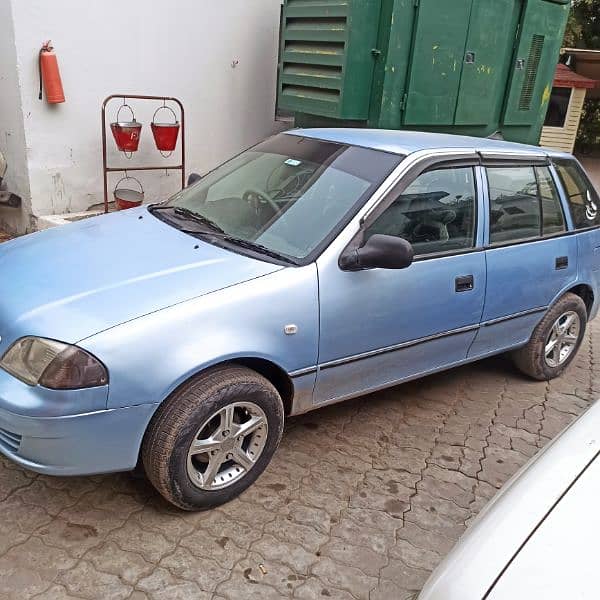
(406, 142)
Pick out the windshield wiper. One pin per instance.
(198, 218)
(212, 230)
(188, 215)
(256, 247)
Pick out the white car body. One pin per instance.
(538, 537)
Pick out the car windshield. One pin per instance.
(283, 198)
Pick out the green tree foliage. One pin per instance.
(583, 31)
(588, 137)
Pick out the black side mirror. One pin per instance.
(193, 177)
(379, 252)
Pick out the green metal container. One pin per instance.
(461, 66)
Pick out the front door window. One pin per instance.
(436, 213)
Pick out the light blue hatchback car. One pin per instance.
(317, 266)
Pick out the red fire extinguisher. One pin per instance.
(50, 75)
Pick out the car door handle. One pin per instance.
(464, 283)
(562, 262)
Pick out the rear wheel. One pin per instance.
(555, 340)
(213, 437)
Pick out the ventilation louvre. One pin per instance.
(531, 71)
(326, 61)
(310, 93)
(313, 53)
(329, 24)
(10, 440)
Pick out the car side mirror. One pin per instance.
(379, 252)
(192, 178)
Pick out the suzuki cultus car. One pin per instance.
(317, 266)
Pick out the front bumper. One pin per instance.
(98, 442)
(68, 432)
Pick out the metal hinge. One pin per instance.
(403, 102)
(376, 52)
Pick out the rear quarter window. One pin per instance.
(582, 198)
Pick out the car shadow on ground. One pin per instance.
(361, 500)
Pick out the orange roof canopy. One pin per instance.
(565, 77)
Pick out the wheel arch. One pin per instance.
(586, 293)
(270, 370)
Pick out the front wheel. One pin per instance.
(213, 437)
(555, 341)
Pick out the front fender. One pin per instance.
(149, 357)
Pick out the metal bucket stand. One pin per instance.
(108, 169)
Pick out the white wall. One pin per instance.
(12, 133)
(182, 48)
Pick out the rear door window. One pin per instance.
(553, 220)
(524, 204)
(581, 195)
(515, 212)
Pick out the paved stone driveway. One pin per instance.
(362, 500)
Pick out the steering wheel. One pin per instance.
(254, 194)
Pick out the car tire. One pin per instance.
(539, 358)
(181, 452)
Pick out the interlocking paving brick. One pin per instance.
(130, 567)
(206, 572)
(85, 581)
(345, 577)
(361, 501)
(314, 588)
(30, 568)
(162, 585)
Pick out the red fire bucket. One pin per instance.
(125, 197)
(165, 134)
(126, 133)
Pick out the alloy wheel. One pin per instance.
(562, 339)
(227, 446)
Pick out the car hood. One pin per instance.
(76, 280)
(559, 560)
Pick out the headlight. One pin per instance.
(53, 364)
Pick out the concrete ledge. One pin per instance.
(47, 221)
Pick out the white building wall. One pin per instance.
(182, 48)
(12, 132)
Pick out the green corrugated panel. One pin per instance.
(540, 39)
(326, 56)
